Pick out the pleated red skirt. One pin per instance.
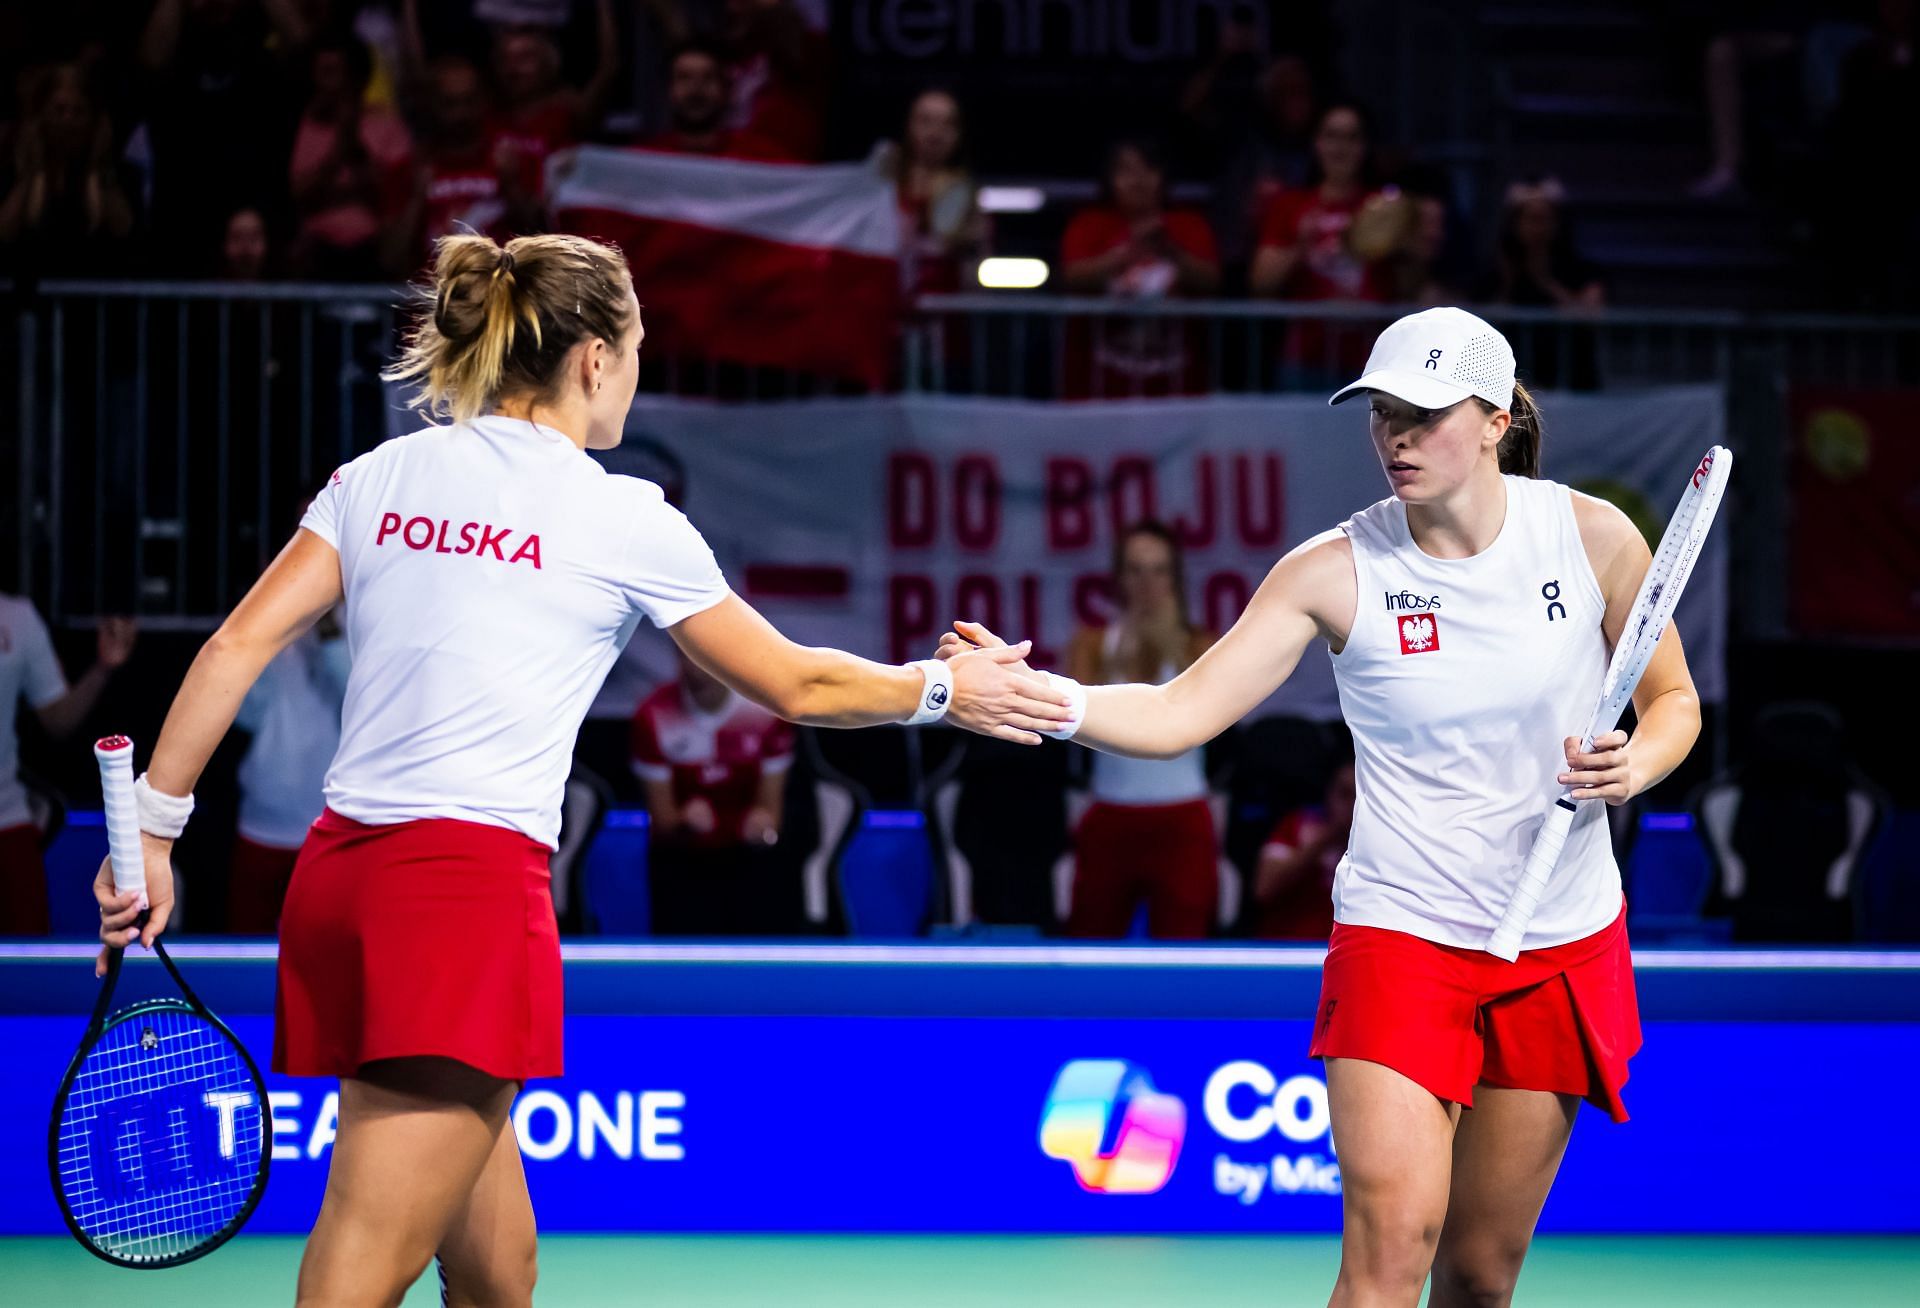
(433, 937)
(1563, 1019)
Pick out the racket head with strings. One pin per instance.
(1660, 590)
(158, 1143)
(1653, 608)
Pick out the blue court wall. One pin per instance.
(1098, 1089)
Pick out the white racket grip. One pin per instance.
(1547, 844)
(115, 755)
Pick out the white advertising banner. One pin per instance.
(871, 524)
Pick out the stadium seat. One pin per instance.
(73, 860)
(1787, 829)
(1002, 810)
(1890, 882)
(879, 869)
(1669, 875)
(615, 875)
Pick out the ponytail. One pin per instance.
(1519, 450)
(500, 321)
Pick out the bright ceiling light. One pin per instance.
(1011, 199)
(1013, 274)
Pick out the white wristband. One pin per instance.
(161, 815)
(1075, 692)
(936, 692)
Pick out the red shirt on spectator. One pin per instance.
(465, 190)
(1304, 910)
(1099, 228)
(522, 140)
(784, 108)
(358, 220)
(1134, 357)
(718, 757)
(1327, 270)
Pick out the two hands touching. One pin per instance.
(995, 692)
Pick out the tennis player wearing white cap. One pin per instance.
(1470, 617)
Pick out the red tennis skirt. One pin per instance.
(433, 937)
(1562, 1019)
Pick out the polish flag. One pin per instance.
(777, 265)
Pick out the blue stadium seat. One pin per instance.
(887, 874)
(617, 901)
(1890, 882)
(73, 860)
(1668, 876)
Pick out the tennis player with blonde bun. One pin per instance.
(490, 573)
(1470, 617)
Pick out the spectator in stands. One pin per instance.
(1253, 115)
(1537, 264)
(535, 111)
(1293, 886)
(776, 70)
(65, 210)
(697, 110)
(30, 671)
(466, 180)
(1304, 251)
(1132, 246)
(293, 716)
(245, 251)
(945, 232)
(714, 767)
(1149, 836)
(1404, 231)
(351, 173)
(219, 113)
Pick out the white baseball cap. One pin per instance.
(1436, 358)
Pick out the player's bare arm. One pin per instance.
(831, 688)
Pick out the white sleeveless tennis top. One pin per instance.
(1460, 680)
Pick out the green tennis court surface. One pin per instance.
(1018, 1272)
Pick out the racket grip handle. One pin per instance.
(1547, 844)
(124, 852)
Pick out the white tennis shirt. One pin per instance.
(1460, 680)
(492, 571)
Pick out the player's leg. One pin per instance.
(489, 1257)
(1395, 1142)
(1505, 1154)
(415, 1136)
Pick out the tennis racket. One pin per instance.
(1646, 623)
(158, 1144)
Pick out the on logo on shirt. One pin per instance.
(1419, 633)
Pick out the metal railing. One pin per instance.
(1053, 347)
(178, 426)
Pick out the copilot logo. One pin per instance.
(1105, 1119)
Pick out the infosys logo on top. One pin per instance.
(1119, 1134)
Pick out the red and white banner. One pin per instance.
(775, 265)
(872, 524)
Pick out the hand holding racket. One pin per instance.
(1646, 623)
(158, 1144)
(135, 885)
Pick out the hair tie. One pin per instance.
(505, 265)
